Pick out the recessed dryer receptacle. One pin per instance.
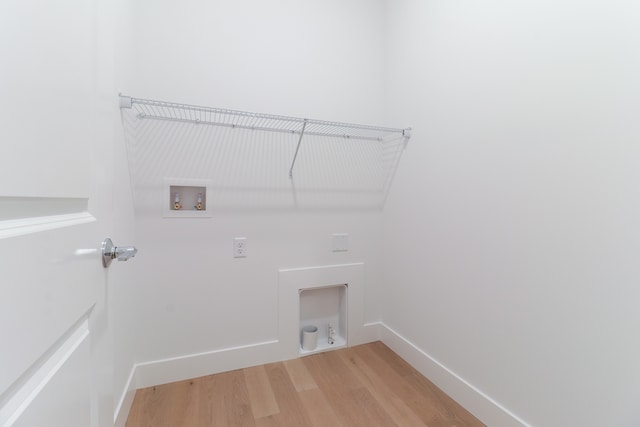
(326, 308)
(185, 198)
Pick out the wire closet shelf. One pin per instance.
(171, 111)
(162, 110)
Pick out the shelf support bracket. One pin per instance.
(406, 134)
(304, 125)
(125, 101)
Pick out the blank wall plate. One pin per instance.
(339, 242)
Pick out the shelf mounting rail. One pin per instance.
(171, 111)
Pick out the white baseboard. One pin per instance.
(197, 365)
(370, 332)
(475, 401)
(126, 399)
(164, 371)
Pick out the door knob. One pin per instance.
(121, 253)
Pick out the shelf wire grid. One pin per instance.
(171, 111)
(245, 157)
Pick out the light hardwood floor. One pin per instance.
(367, 385)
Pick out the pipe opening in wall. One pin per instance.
(324, 308)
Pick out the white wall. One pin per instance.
(306, 59)
(508, 237)
(511, 237)
(322, 60)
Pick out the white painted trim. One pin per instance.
(197, 365)
(148, 374)
(126, 399)
(181, 368)
(24, 395)
(19, 227)
(371, 332)
(474, 400)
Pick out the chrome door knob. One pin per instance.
(111, 252)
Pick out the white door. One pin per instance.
(55, 192)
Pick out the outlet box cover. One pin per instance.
(339, 242)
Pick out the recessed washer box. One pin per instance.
(185, 198)
(319, 295)
(321, 307)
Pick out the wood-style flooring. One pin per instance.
(367, 385)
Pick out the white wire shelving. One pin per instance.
(171, 111)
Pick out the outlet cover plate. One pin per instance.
(239, 247)
(339, 242)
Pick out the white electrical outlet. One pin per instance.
(239, 247)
